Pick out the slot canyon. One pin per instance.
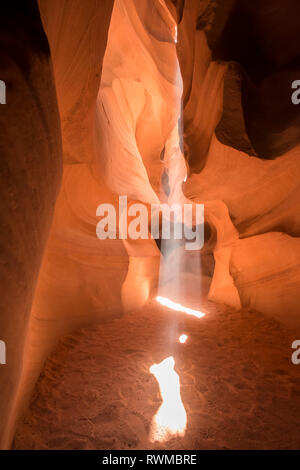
(149, 342)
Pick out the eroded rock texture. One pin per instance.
(30, 173)
(138, 113)
(237, 115)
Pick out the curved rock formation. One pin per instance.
(165, 101)
(30, 174)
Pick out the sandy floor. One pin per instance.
(238, 385)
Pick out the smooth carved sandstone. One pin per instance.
(162, 101)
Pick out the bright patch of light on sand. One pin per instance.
(185, 178)
(182, 338)
(170, 420)
(178, 307)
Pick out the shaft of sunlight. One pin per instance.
(170, 419)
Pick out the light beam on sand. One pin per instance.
(182, 339)
(178, 307)
(170, 420)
